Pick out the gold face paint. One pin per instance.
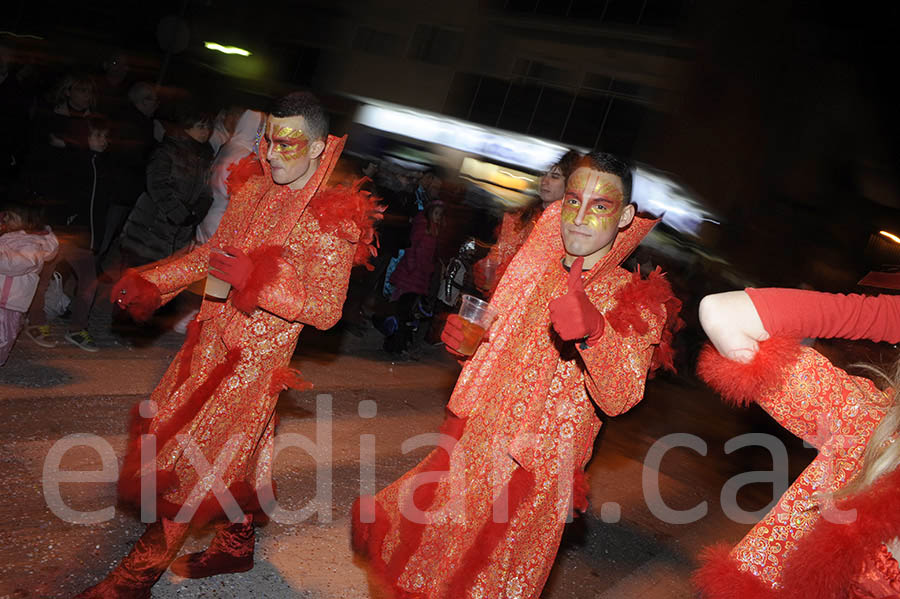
(596, 197)
(288, 143)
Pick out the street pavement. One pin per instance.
(619, 549)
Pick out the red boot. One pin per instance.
(142, 567)
(230, 551)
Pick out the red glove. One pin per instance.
(452, 335)
(138, 296)
(573, 315)
(234, 269)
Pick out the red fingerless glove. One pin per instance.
(234, 268)
(137, 295)
(452, 335)
(800, 313)
(573, 315)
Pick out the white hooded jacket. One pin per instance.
(244, 142)
(22, 256)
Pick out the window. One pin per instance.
(586, 119)
(520, 106)
(489, 101)
(552, 111)
(436, 45)
(377, 42)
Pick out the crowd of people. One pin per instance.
(246, 198)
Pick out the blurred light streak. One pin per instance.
(658, 193)
(28, 35)
(890, 236)
(510, 148)
(226, 49)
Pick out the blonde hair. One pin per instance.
(882, 454)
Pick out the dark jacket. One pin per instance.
(176, 199)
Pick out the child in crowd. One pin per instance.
(24, 247)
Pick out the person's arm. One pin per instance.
(732, 324)
(305, 281)
(616, 362)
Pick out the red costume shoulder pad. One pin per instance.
(655, 294)
(239, 172)
(338, 206)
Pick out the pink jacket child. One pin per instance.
(22, 256)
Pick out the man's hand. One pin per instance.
(452, 335)
(732, 324)
(138, 296)
(234, 268)
(573, 315)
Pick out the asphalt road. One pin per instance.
(620, 549)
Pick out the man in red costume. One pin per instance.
(201, 448)
(575, 331)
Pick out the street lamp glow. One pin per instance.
(226, 49)
(890, 236)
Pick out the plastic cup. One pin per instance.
(477, 316)
(216, 288)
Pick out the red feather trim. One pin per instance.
(479, 553)
(740, 383)
(284, 378)
(144, 297)
(336, 206)
(240, 172)
(581, 489)
(368, 538)
(655, 294)
(187, 352)
(831, 555)
(720, 578)
(265, 271)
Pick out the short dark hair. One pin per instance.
(97, 123)
(306, 105)
(568, 162)
(609, 163)
(190, 112)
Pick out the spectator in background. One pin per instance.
(412, 280)
(80, 225)
(131, 146)
(177, 195)
(243, 143)
(14, 117)
(112, 84)
(516, 226)
(24, 246)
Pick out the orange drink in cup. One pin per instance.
(477, 316)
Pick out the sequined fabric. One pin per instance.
(527, 398)
(836, 413)
(233, 429)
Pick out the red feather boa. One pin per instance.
(336, 206)
(240, 172)
(265, 271)
(719, 577)
(739, 383)
(655, 294)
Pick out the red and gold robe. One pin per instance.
(523, 411)
(794, 552)
(219, 393)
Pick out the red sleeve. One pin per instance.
(799, 313)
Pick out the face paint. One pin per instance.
(288, 143)
(592, 211)
(595, 197)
